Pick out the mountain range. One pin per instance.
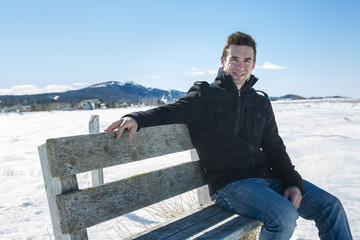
(106, 92)
(111, 91)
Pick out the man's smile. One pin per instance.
(238, 74)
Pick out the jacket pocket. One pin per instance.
(255, 118)
(220, 117)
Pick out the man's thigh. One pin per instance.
(260, 198)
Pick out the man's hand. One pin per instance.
(294, 195)
(124, 123)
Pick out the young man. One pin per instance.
(235, 134)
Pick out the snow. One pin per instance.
(322, 138)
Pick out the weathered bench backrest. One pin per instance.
(63, 158)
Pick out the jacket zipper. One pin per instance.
(238, 113)
(238, 119)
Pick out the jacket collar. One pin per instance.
(224, 80)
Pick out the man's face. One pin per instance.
(239, 63)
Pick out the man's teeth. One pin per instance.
(238, 74)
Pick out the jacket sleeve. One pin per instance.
(278, 158)
(185, 110)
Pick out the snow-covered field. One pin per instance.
(322, 138)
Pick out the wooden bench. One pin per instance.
(73, 210)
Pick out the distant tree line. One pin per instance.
(35, 106)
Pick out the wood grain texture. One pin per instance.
(77, 154)
(53, 187)
(73, 210)
(85, 208)
(97, 176)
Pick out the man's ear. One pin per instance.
(254, 65)
(222, 61)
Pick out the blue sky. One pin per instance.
(309, 48)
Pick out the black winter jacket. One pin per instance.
(234, 132)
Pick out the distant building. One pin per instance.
(91, 104)
(16, 108)
(167, 99)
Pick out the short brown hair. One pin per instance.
(240, 39)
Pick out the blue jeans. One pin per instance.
(262, 199)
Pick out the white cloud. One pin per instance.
(270, 66)
(194, 72)
(80, 84)
(32, 89)
(56, 88)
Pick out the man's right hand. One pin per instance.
(124, 123)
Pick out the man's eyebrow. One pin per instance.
(249, 58)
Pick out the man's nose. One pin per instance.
(240, 64)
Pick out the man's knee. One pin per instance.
(283, 221)
(335, 206)
(281, 226)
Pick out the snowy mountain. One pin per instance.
(106, 91)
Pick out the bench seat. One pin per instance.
(206, 222)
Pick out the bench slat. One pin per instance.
(231, 230)
(85, 208)
(210, 222)
(77, 154)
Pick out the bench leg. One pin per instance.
(53, 187)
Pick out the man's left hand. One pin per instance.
(294, 195)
